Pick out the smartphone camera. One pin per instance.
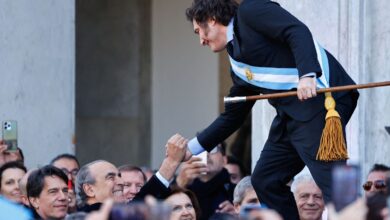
(9, 134)
(7, 126)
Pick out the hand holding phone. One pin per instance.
(203, 159)
(258, 212)
(247, 208)
(158, 211)
(345, 185)
(10, 135)
(388, 197)
(190, 170)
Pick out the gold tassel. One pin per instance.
(332, 145)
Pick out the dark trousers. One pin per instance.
(290, 146)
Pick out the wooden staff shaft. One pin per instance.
(294, 93)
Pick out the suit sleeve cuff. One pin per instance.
(194, 146)
(311, 74)
(162, 179)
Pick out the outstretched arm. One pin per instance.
(158, 185)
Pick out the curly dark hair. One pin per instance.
(220, 10)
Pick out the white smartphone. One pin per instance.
(203, 157)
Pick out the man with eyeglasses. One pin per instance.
(376, 179)
(70, 166)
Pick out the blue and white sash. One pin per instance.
(279, 78)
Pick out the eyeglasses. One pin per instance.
(73, 172)
(378, 184)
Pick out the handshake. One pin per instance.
(176, 152)
(176, 149)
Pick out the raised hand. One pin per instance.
(176, 148)
(7, 156)
(189, 171)
(226, 207)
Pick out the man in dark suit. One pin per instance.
(271, 51)
(101, 180)
(209, 182)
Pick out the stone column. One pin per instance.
(37, 64)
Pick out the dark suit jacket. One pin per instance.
(212, 193)
(90, 208)
(153, 187)
(266, 35)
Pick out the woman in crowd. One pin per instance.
(184, 204)
(10, 174)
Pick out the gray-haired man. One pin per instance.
(244, 194)
(308, 197)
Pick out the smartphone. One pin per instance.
(248, 211)
(388, 195)
(345, 185)
(203, 157)
(124, 211)
(10, 134)
(138, 210)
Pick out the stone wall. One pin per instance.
(113, 81)
(37, 66)
(185, 77)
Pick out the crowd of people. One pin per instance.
(270, 51)
(218, 189)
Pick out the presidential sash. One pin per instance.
(279, 78)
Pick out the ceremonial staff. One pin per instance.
(236, 99)
(332, 145)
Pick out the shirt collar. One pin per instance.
(230, 32)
